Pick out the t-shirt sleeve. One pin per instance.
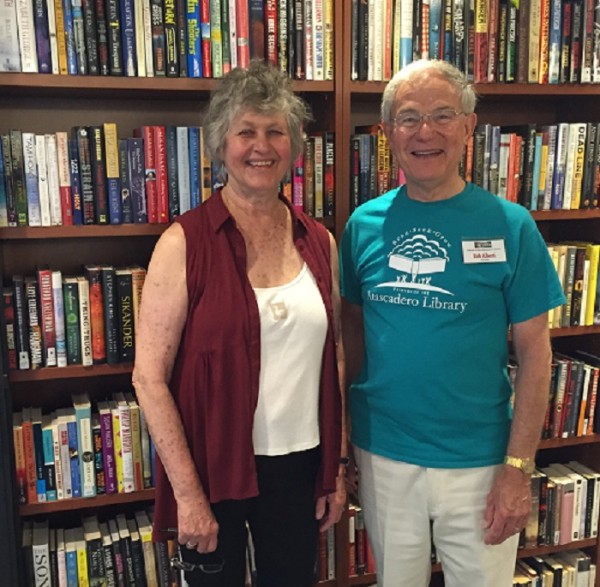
(350, 286)
(533, 287)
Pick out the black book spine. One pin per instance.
(115, 56)
(91, 35)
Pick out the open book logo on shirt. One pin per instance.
(417, 259)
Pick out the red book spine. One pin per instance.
(44, 277)
(147, 133)
(162, 181)
(243, 33)
(271, 31)
(205, 38)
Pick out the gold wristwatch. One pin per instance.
(523, 464)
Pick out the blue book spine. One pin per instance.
(124, 182)
(70, 38)
(3, 198)
(537, 161)
(137, 173)
(195, 185)
(194, 46)
(76, 203)
(42, 36)
(49, 465)
(128, 38)
(79, 37)
(115, 207)
(74, 453)
(71, 560)
(435, 19)
(554, 41)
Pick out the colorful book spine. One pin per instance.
(113, 184)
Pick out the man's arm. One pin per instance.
(509, 501)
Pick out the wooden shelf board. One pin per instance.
(574, 331)
(541, 550)
(81, 503)
(367, 579)
(369, 87)
(548, 443)
(87, 231)
(558, 215)
(70, 372)
(76, 86)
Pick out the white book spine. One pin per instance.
(140, 39)
(53, 182)
(29, 62)
(10, 54)
(308, 44)
(40, 156)
(126, 449)
(147, 20)
(318, 40)
(183, 168)
(59, 319)
(58, 470)
(232, 34)
(31, 179)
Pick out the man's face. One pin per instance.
(429, 150)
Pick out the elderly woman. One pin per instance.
(238, 366)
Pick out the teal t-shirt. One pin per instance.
(440, 283)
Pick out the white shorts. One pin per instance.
(406, 506)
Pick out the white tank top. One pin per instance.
(293, 326)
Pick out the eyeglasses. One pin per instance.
(206, 568)
(411, 120)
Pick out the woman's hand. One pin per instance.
(330, 507)
(198, 528)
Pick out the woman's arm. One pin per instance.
(336, 502)
(162, 318)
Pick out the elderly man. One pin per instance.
(433, 274)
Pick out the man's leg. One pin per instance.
(394, 498)
(458, 505)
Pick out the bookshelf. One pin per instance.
(46, 103)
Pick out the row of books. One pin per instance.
(91, 176)
(572, 397)
(529, 41)
(89, 319)
(76, 452)
(565, 505)
(552, 167)
(173, 38)
(360, 553)
(116, 551)
(576, 264)
(570, 567)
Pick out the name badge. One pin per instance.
(484, 251)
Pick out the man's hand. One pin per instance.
(197, 528)
(508, 505)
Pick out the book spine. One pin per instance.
(113, 186)
(111, 323)
(64, 178)
(85, 325)
(125, 195)
(35, 329)
(98, 164)
(59, 319)
(31, 179)
(102, 37)
(21, 323)
(126, 324)
(115, 49)
(81, 134)
(72, 328)
(53, 181)
(108, 452)
(158, 37)
(128, 38)
(76, 197)
(91, 42)
(171, 39)
(94, 277)
(137, 166)
(47, 316)
(18, 176)
(172, 170)
(27, 36)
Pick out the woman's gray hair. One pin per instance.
(465, 90)
(260, 88)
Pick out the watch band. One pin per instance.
(526, 465)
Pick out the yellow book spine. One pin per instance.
(593, 251)
(118, 446)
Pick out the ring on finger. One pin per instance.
(190, 545)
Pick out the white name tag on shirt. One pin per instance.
(484, 251)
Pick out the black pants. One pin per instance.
(282, 523)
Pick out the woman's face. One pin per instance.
(257, 152)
